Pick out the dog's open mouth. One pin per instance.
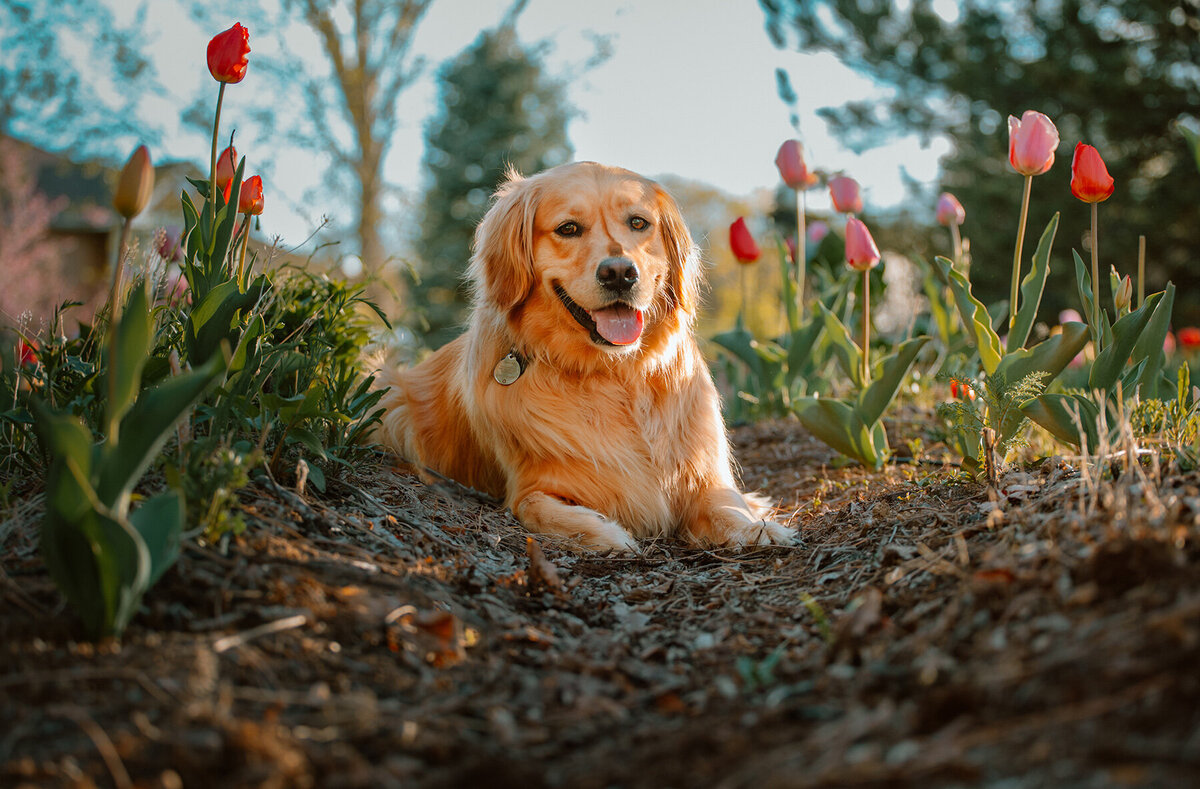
(616, 324)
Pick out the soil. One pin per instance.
(926, 630)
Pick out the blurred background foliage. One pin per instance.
(1122, 76)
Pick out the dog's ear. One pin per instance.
(502, 267)
(683, 280)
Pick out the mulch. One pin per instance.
(926, 630)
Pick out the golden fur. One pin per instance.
(600, 442)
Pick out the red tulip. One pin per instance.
(742, 243)
(26, 354)
(226, 166)
(1189, 337)
(792, 168)
(790, 241)
(1032, 141)
(861, 252)
(227, 54)
(1090, 181)
(135, 185)
(846, 196)
(949, 210)
(250, 201)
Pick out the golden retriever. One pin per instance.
(578, 393)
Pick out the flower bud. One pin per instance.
(1032, 141)
(226, 166)
(792, 167)
(847, 198)
(742, 243)
(250, 201)
(135, 185)
(861, 252)
(227, 54)
(949, 210)
(1090, 181)
(1124, 295)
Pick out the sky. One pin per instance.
(689, 91)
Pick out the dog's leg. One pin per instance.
(723, 516)
(547, 514)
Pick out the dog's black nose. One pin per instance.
(618, 274)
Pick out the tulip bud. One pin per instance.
(1189, 338)
(1090, 181)
(1124, 295)
(135, 185)
(949, 210)
(742, 243)
(250, 201)
(846, 196)
(1032, 141)
(227, 54)
(861, 252)
(226, 166)
(792, 168)
(817, 232)
(1070, 316)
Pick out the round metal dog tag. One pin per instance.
(508, 370)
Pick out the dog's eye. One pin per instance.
(568, 229)
(638, 223)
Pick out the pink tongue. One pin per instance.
(619, 324)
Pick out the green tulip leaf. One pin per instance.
(1058, 414)
(1032, 287)
(131, 345)
(837, 424)
(1125, 333)
(790, 305)
(1050, 356)
(1083, 281)
(307, 439)
(1149, 347)
(740, 343)
(159, 521)
(800, 345)
(875, 399)
(847, 353)
(974, 316)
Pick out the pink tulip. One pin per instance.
(817, 232)
(949, 210)
(846, 196)
(1032, 141)
(861, 252)
(792, 168)
(1070, 316)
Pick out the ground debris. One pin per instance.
(928, 632)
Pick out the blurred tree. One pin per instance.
(346, 111)
(52, 55)
(1118, 75)
(497, 108)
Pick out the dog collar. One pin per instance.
(509, 369)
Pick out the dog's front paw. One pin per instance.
(762, 532)
(581, 526)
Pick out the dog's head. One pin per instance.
(594, 256)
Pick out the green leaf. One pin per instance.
(1051, 356)
(1125, 333)
(845, 350)
(212, 319)
(148, 424)
(875, 399)
(308, 439)
(1083, 281)
(974, 317)
(789, 287)
(131, 345)
(740, 343)
(1056, 413)
(800, 345)
(1032, 287)
(838, 424)
(1193, 141)
(160, 522)
(1149, 346)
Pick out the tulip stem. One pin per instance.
(212, 172)
(1096, 281)
(866, 327)
(1141, 270)
(245, 241)
(1016, 273)
(801, 255)
(114, 318)
(956, 238)
(745, 316)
